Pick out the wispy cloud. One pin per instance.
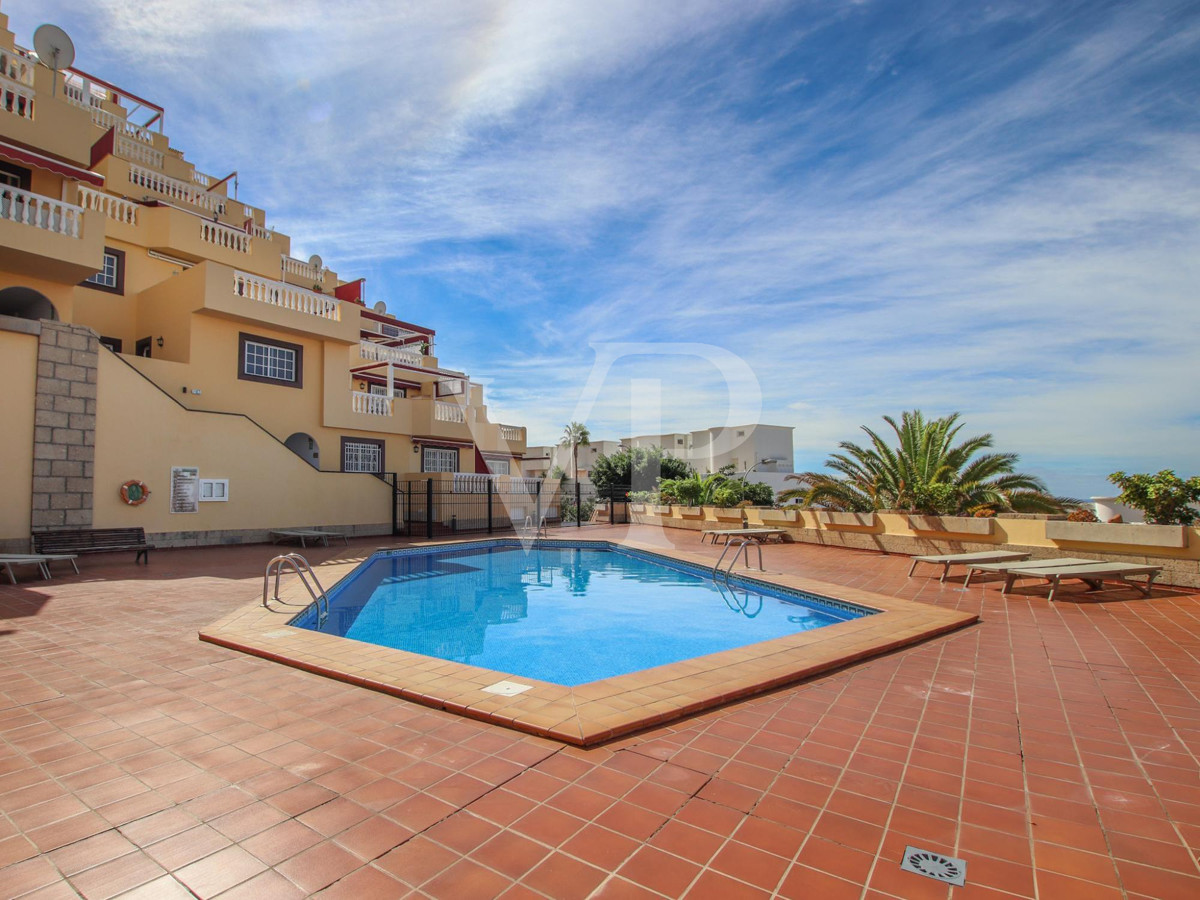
(993, 209)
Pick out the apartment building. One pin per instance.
(151, 321)
(764, 450)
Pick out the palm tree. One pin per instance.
(926, 473)
(573, 435)
(694, 489)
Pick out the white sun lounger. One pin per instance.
(1094, 575)
(962, 559)
(755, 534)
(9, 561)
(303, 534)
(1005, 568)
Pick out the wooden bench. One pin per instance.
(93, 540)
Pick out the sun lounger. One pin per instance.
(9, 561)
(755, 534)
(1094, 575)
(1005, 568)
(962, 559)
(303, 534)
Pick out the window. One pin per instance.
(111, 276)
(362, 455)
(498, 466)
(14, 176)
(439, 459)
(270, 361)
(214, 490)
(679, 442)
(113, 344)
(142, 347)
(741, 434)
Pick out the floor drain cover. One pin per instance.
(934, 865)
(507, 688)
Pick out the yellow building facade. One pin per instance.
(154, 328)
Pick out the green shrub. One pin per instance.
(1165, 498)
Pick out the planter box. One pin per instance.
(638, 507)
(846, 519)
(726, 513)
(952, 524)
(1102, 533)
(691, 512)
(659, 510)
(779, 515)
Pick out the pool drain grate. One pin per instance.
(935, 866)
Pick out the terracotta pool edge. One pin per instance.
(612, 710)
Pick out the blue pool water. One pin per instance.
(562, 614)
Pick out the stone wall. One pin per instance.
(64, 435)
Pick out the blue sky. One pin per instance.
(806, 213)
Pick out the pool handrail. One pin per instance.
(300, 566)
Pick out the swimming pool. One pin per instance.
(563, 613)
(596, 711)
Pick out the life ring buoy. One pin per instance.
(134, 492)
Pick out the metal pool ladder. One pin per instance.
(300, 566)
(528, 531)
(739, 545)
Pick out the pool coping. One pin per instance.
(600, 710)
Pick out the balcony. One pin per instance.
(48, 238)
(258, 303)
(117, 209)
(16, 98)
(142, 179)
(373, 352)
(370, 404)
(512, 434)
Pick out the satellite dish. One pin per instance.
(315, 261)
(380, 307)
(54, 50)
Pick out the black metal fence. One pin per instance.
(439, 506)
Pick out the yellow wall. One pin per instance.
(141, 434)
(18, 375)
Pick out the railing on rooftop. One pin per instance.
(136, 151)
(512, 433)
(116, 208)
(201, 179)
(301, 269)
(16, 98)
(46, 213)
(175, 189)
(370, 404)
(286, 296)
(265, 234)
(89, 92)
(379, 353)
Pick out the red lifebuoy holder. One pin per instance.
(134, 492)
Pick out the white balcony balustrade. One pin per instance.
(449, 412)
(370, 404)
(201, 179)
(175, 189)
(512, 433)
(15, 98)
(379, 353)
(135, 151)
(116, 208)
(300, 269)
(37, 211)
(264, 234)
(286, 296)
(17, 67)
(223, 236)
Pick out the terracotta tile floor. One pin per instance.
(1054, 748)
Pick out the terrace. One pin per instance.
(1052, 746)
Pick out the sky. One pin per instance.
(655, 216)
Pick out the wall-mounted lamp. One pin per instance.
(362, 385)
(416, 448)
(159, 341)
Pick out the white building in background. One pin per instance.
(766, 449)
(539, 462)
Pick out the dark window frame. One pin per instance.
(457, 457)
(112, 343)
(357, 440)
(24, 176)
(244, 338)
(120, 285)
(144, 344)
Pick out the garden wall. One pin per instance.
(1174, 547)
